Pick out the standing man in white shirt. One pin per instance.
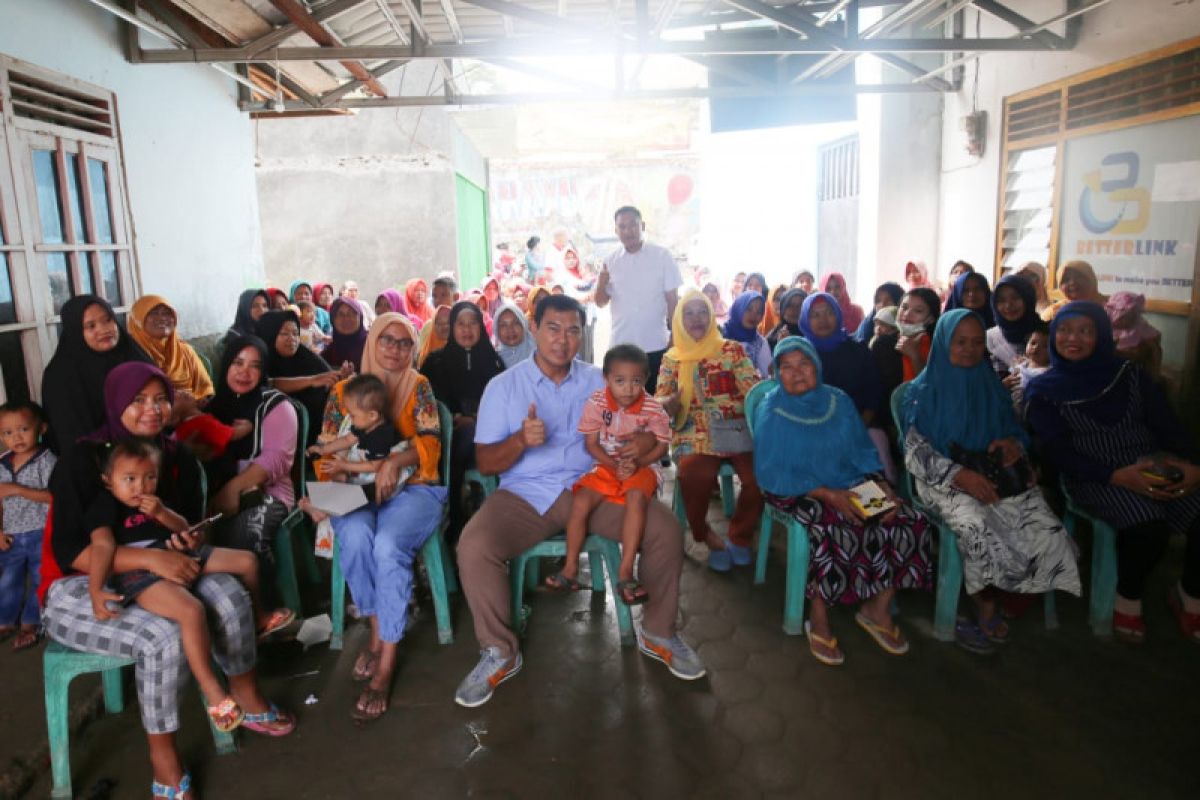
(641, 279)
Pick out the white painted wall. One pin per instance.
(188, 157)
(969, 185)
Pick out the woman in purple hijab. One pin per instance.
(137, 401)
(349, 334)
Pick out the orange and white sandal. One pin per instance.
(824, 650)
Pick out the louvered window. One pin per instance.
(838, 176)
(64, 226)
(1036, 116)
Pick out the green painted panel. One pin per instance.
(474, 254)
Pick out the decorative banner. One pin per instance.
(1131, 208)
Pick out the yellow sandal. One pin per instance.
(833, 657)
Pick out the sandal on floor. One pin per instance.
(995, 629)
(1129, 628)
(561, 583)
(970, 637)
(1189, 624)
(172, 792)
(272, 722)
(890, 639)
(370, 697)
(632, 592)
(364, 668)
(280, 618)
(830, 655)
(226, 715)
(26, 638)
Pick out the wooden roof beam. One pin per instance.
(299, 16)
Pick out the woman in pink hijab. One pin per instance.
(852, 315)
(916, 275)
(1136, 339)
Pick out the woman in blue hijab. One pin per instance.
(1124, 456)
(888, 294)
(1013, 543)
(742, 327)
(810, 449)
(971, 291)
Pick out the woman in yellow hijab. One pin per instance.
(153, 324)
(703, 385)
(1076, 281)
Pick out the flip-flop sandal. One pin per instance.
(561, 583)
(1129, 628)
(632, 592)
(25, 640)
(226, 715)
(179, 792)
(368, 667)
(280, 618)
(890, 640)
(370, 697)
(995, 629)
(272, 722)
(970, 637)
(1189, 624)
(834, 656)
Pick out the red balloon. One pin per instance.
(679, 189)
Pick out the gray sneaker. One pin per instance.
(680, 658)
(491, 671)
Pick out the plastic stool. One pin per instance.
(797, 565)
(1103, 589)
(60, 665)
(728, 501)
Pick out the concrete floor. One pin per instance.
(1055, 714)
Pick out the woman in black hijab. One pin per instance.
(252, 304)
(294, 369)
(91, 344)
(790, 306)
(458, 373)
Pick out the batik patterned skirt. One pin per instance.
(850, 561)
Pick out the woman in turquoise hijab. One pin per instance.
(302, 291)
(810, 449)
(1014, 543)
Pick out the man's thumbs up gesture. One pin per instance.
(533, 430)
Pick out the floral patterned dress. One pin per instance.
(721, 387)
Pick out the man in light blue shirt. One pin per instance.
(526, 432)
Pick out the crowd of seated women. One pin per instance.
(1002, 380)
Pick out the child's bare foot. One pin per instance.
(307, 507)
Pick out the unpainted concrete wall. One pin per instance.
(368, 197)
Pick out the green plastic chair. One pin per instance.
(1103, 589)
(797, 538)
(489, 483)
(289, 533)
(603, 554)
(950, 572)
(208, 367)
(61, 665)
(728, 499)
(434, 553)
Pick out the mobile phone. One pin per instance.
(204, 523)
(1163, 472)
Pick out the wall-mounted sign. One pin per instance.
(1131, 208)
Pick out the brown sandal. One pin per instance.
(26, 638)
(368, 698)
(365, 666)
(632, 592)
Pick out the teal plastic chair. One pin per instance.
(208, 367)
(950, 572)
(603, 554)
(290, 530)
(797, 538)
(61, 665)
(727, 495)
(1103, 589)
(434, 553)
(488, 483)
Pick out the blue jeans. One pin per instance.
(20, 573)
(379, 545)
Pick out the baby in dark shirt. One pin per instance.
(130, 514)
(371, 438)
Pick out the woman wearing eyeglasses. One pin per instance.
(379, 542)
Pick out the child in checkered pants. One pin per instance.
(25, 469)
(131, 514)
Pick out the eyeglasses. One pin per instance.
(391, 342)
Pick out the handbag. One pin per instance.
(1008, 481)
(729, 436)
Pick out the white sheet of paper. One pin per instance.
(1176, 183)
(336, 498)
